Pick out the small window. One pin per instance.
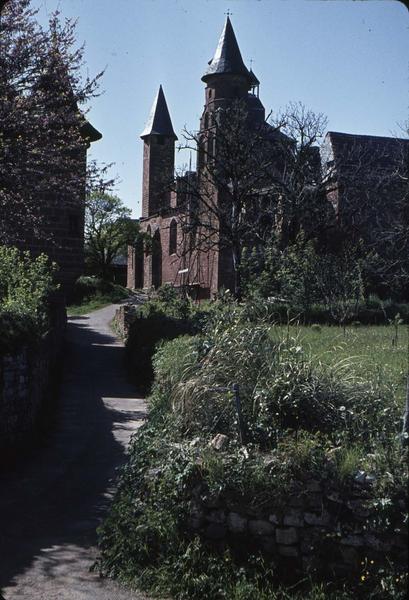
(173, 237)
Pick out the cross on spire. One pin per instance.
(228, 13)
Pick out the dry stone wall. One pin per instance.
(25, 378)
(316, 530)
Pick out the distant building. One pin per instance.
(167, 259)
(369, 178)
(63, 211)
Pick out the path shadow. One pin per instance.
(59, 496)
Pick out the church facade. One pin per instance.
(166, 207)
(168, 259)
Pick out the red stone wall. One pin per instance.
(63, 239)
(158, 169)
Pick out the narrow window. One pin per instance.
(173, 237)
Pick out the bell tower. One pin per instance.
(227, 77)
(158, 158)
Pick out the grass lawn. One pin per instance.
(94, 304)
(369, 350)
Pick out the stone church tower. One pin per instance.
(168, 205)
(204, 273)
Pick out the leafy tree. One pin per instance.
(108, 230)
(43, 134)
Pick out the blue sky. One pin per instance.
(346, 59)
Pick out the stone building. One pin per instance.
(368, 183)
(164, 206)
(63, 226)
(62, 195)
(165, 201)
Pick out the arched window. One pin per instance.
(173, 237)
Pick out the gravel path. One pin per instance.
(50, 507)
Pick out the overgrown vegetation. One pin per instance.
(26, 285)
(302, 416)
(91, 293)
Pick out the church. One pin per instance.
(169, 257)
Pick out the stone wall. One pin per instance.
(124, 317)
(25, 381)
(316, 530)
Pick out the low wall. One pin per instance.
(124, 317)
(316, 531)
(26, 377)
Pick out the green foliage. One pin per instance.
(108, 230)
(304, 418)
(281, 387)
(87, 287)
(91, 293)
(144, 335)
(25, 286)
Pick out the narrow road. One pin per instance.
(50, 507)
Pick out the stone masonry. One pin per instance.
(25, 377)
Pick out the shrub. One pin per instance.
(25, 287)
(144, 335)
(281, 388)
(89, 287)
(302, 420)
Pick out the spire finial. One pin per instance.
(228, 13)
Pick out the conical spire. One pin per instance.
(159, 122)
(227, 58)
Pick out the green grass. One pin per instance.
(89, 306)
(369, 350)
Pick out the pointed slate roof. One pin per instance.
(159, 122)
(253, 78)
(227, 58)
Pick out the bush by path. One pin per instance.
(26, 285)
(303, 420)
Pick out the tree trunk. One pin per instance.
(237, 272)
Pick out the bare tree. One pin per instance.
(252, 180)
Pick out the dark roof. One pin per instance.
(227, 58)
(253, 78)
(341, 142)
(89, 132)
(57, 71)
(159, 122)
(378, 153)
(350, 138)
